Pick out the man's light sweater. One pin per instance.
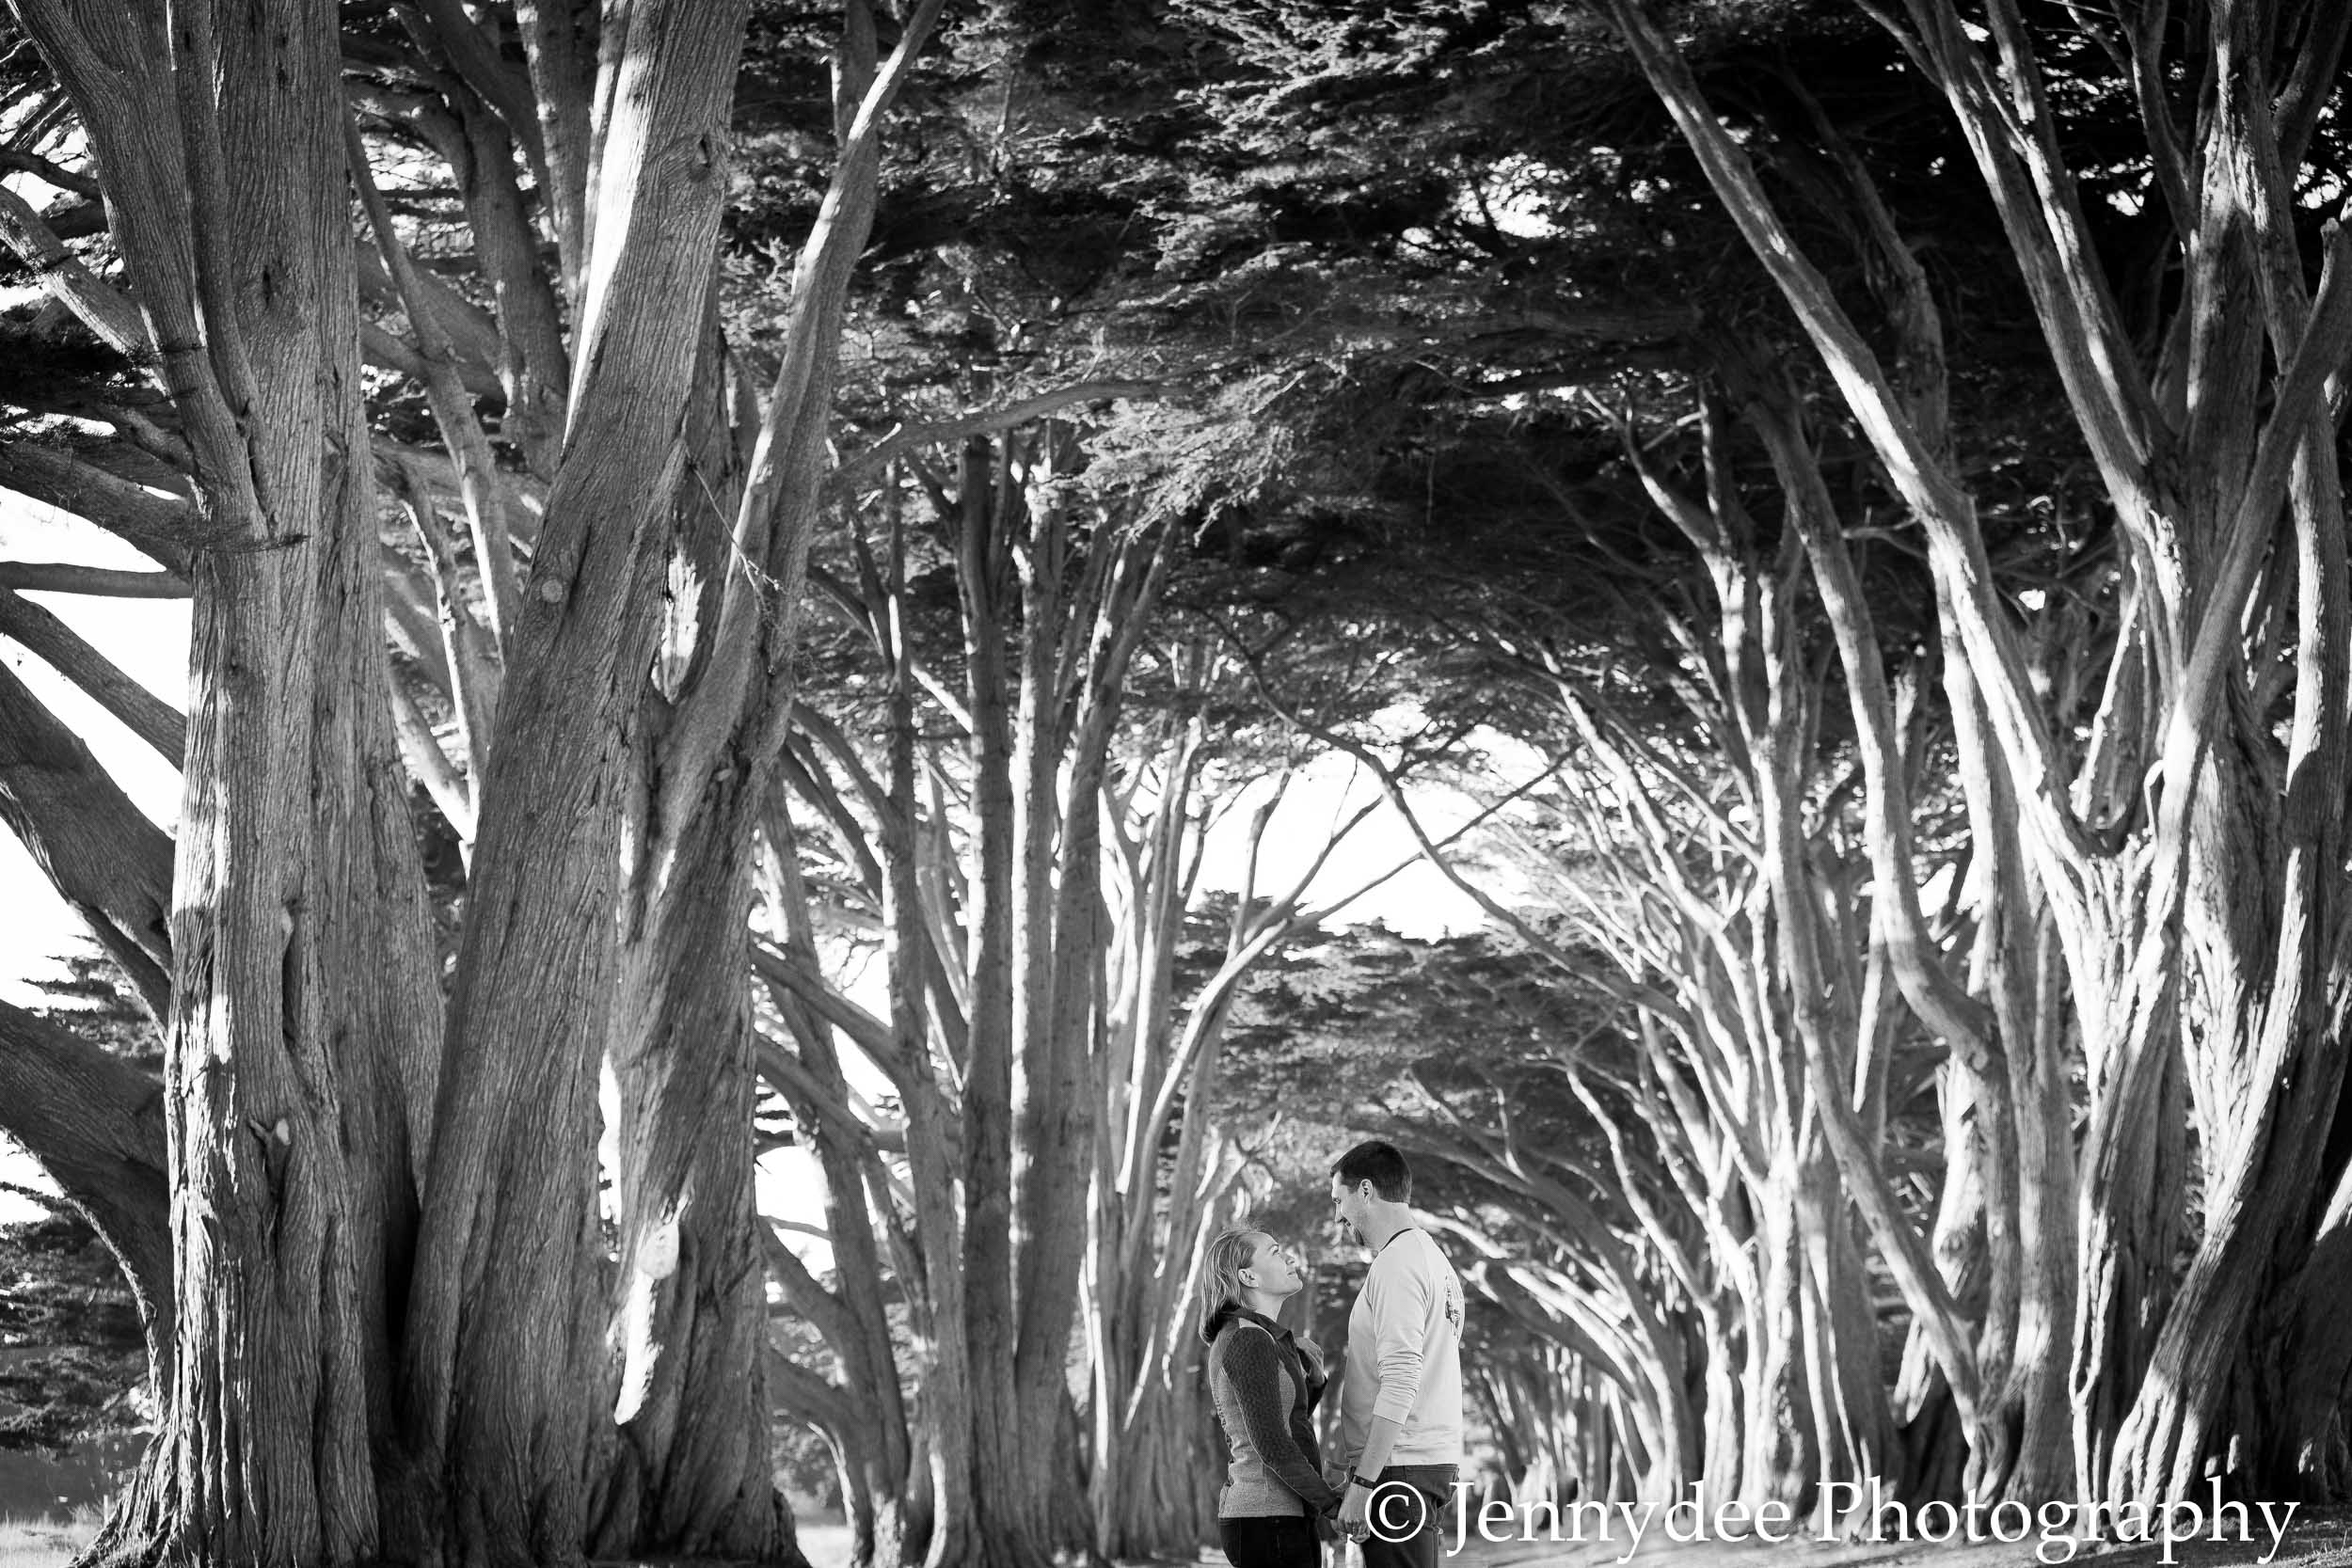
(1405, 1355)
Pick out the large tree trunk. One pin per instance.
(1008, 957)
(2268, 1004)
(1784, 1456)
(1814, 1409)
(301, 1028)
(1160, 1508)
(2133, 1166)
(267, 1429)
(309, 975)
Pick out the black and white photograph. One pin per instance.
(1220, 784)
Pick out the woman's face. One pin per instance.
(1272, 1268)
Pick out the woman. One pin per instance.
(1267, 1384)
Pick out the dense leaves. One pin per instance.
(71, 1351)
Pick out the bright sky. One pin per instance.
(149, 639)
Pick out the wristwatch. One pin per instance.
(1355, 1480)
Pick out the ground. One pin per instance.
(2313, 1540)
(40, 1543)
(43, 1543)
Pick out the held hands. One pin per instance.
(1355, 1510)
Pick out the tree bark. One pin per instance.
(690, 1475)
(288, 1179)
(693, 1447)
(498, 1412)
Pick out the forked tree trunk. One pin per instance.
(1783, 1453)
(691, 1465)
(996, 991)
(2134, 1161)
(506, 1308)
(885, 1475)
(685, 1469)
(689, 1473)
(1150, 1501)
(1813, 1410)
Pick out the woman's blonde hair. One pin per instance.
(1220, 1272)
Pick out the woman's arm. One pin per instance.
(1254, 1368)
(1310, 1358)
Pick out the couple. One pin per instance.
(1399, 1391)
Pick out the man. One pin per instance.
(1401, 1395)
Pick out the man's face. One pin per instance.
(1347, 1210)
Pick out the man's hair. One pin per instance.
(1382, 1164)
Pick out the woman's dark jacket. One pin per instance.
(1266, 1389)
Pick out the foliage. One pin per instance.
(71, 1351)
(72, 1360)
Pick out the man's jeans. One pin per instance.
(1407, 1515)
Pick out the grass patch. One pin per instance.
(47, 1542)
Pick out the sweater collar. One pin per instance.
(1233, 1310)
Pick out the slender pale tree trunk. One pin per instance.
(690, 1473)
(2177, 861)
(693, 1464)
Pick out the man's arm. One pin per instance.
(1400, 1327)
(1356, 1501)
(1379, 1437)
(1402, 1307)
